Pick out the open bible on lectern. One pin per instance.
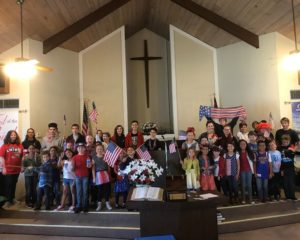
(147, 193)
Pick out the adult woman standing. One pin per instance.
(31, 140)
(11, 153)
(210, 134)
(119, 136)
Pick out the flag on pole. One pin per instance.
(271, 121)
(85, 121)
(222, 112)
(65, 120)
(172, 147)
(112, 154)
(143, 153)
(215, 102)
(94, 114)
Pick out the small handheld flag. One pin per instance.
(172, 147)
(112, 154)
(143, 153)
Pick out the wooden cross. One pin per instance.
(146, 58)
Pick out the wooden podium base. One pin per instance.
(192, 219)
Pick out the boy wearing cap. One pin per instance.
(82, 165)
(52, 138)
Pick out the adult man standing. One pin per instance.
(52, 138)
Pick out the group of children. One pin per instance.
(82, 175)
(253, 161)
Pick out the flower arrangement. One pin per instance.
(147, 127)
(141, 171)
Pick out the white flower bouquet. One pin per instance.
(141, 171)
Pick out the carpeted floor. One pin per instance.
(40, 237)
(273, 233)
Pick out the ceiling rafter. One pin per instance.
(77, 27)
(220, 22)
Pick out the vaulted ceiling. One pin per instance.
(45, 18)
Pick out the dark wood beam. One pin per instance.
(220, 22)
(77, 27)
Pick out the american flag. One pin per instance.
(85, 121)
(222, 112)
(172, 147)
(143, 153)
(112, 153)
(94, 114)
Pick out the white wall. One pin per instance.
(54, 94)
(287, 80)
(158, 112)
(256, 79)
(193, 78)
(248, 77)
(103, 80)
(18, 89)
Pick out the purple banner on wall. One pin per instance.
(296, 115)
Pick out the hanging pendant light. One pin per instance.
(292, 62)
(21, 68)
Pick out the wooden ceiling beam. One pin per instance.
(220, 22)
(77, 27)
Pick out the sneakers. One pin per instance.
(71, 209)
(108, 207)
(85, 210)
(60, 207)
(29, 205)
(37, 208)
(16, 202)
(123, 205)
(7, 205)
(77, 210)
(99, 206)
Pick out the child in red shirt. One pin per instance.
(82, 165)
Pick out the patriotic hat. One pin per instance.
(264, 126)
(81, 144)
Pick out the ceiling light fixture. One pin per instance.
(292, 62)
(23, 68)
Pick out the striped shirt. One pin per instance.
(231, 164)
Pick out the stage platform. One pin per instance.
(122, 224)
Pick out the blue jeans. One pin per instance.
(262, 188)
(246, 181)
(233, 187)
(56, 192)
(82, 184)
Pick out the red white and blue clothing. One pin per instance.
(231, 164)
